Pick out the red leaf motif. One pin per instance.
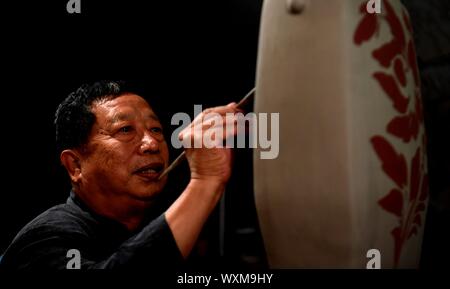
(425, 188)
(418, 220)
(394, 165)
(402, 56)
(400, 126)
(386, 53)
(400, 71)
(398, 243)
(420, 207)
(393, 202)
(412, 61)
(412, 232)
(394, 24)
(415, 176)
(366, 29)
(391, 88)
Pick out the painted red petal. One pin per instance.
(400, 71)
(391, 88)
(400, 126)
(394, 24)
(386, 53)
(393, 202)
(425, 188)
(393, 164)
(366, 29)
(415, 176)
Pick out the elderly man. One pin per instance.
(112, 145)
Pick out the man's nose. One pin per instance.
(149, 144)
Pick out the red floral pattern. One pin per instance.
(407, 199)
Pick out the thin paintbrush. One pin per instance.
(182, 156)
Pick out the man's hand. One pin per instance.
(208, 158)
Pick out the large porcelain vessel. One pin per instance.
(351, 174)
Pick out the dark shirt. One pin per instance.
(103, 243)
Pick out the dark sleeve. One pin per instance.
(154, 248)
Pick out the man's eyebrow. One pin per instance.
(122, 117)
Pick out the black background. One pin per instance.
(182, 52)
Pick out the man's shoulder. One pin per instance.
(62, 218)
(50, 231)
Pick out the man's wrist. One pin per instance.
(209, 185)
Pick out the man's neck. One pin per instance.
(129, 212)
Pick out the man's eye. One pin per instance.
(156, 130)
(126, 129)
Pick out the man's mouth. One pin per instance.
(150, 171)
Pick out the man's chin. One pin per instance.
(147, 197)
(148, 192)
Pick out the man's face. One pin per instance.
(126, 150)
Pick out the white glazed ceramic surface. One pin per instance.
(351, 174)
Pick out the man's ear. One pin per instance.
(71, 161)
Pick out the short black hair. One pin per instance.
(74, 118)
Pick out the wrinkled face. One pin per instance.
(126, 150)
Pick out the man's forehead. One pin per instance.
(125, 107)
